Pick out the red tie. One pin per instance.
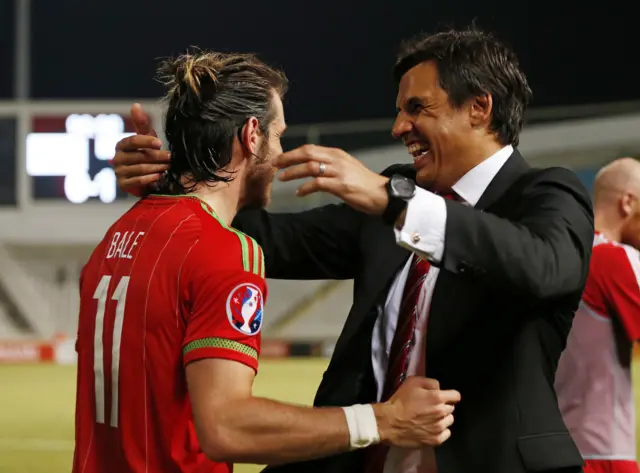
(403, 341)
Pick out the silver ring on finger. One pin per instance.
(322, 169)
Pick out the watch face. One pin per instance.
(402, 187)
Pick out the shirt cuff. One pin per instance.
(424, 226)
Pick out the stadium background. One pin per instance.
(72, 69)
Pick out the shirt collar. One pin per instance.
(472, 185)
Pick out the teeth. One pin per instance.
(417, 149)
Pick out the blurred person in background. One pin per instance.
(172, 305)
(593, 380)
(477, 291)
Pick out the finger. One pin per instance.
(136, 142)
(141, 121)
(310, 169)
(450, 396)
(140, 170)
(443, 437)
(135, 185)
(425, 383)
(319, 184)
(304, 154)
(124, 159)
(445, 409)
(446, 422)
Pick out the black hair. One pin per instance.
(471, 63)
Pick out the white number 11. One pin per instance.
(120, 295)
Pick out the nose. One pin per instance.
(401, 127)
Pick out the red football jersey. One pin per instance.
(613, 286)
(593, 381)
(169, 284)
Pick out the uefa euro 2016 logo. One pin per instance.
(244, 308)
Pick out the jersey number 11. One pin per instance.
(119, 295)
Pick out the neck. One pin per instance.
(480, 150)
(608, 226)
(223, 198)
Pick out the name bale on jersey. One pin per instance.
(122, 244)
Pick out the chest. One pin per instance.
(460, 306)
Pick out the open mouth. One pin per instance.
(418, 150)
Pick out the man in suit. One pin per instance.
(477, 290)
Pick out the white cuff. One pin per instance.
(362, 424)
(424, 226)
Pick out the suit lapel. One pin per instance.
(386, 260)
(448, 303)
(388, 257)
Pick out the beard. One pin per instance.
(259, 180)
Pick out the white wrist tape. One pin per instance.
(362, 424)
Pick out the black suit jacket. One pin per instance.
(512, 274)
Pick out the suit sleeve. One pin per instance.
(544, 252)
(622, 287)
(321, 243)
(224, 313)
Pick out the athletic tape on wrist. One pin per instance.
(362, 424)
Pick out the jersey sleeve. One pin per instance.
(622, 286)
(225, 312)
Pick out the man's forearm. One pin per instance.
(262, 431)
(320, 243)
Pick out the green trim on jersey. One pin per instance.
(257, 265)
(245, 241)
(215, 342)
(261, 262)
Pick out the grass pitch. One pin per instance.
(37, 410)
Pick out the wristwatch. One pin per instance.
(400, 190)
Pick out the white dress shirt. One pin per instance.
(423, 233)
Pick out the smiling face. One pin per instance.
(438, 136)
(461, 98)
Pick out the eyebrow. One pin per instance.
(410, 102)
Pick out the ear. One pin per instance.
(627, 202)
(250, 136)
(480, 109)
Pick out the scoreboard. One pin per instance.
(68, 156)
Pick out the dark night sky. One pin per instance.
(337, 54)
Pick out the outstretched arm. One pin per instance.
(544, 253)
(234, 426)
(321, 243)
(221, 357)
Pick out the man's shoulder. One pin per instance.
(612, 255)
(556, 176)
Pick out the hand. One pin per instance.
(344, 176)
(418, 414)
(139, 161)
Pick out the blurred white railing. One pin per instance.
(19, 287)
